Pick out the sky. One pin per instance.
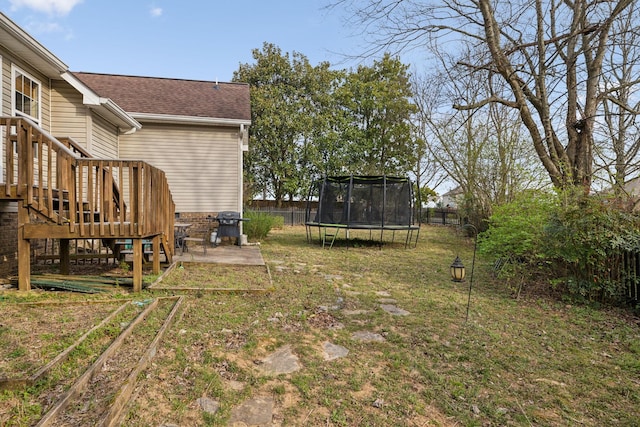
(185, 39)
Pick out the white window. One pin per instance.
(26, 95)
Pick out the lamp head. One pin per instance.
(457, 270)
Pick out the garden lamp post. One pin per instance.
(473, 263)
(457, 270)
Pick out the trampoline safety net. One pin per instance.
(376, 201)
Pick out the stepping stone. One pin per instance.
(392, 309)
(355, 312)
(235, 385)
(209, 406)
(282, 361)
(367, 336)
(333, 351)
(257, 411)
(387, 301)
(352, 293)
(383, 294)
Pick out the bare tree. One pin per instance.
(427, 171)
(485, 151)
(618, 139)
(548, 53)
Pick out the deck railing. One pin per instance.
(94, 197)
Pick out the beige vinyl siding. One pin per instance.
(69, 116)
(201, 163)
(6, 83)
(105, 139)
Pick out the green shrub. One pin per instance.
(590, 237)
(259, 224)
(517, 229)
(575, 242)
(515, 238)
(278, 221)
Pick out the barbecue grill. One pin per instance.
(229, 224)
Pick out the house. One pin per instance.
(451, 199)
(96, 156)
(195, 131)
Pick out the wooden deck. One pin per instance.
(63, 193)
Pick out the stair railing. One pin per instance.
(64, 187)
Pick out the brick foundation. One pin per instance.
(200, 222)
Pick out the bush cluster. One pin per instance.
(581, 245)
(260, 224)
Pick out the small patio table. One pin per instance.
(180, 231)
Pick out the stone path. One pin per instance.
(258, 410)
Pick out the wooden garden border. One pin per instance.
(14, 383)
(82, 382)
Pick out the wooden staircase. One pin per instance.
(64, 193)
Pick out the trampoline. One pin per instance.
(374, 203)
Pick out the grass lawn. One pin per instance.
(533, 361)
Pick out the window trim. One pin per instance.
(14, 111)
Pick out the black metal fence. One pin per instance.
(292, 216)
(443, 216)
(296, 216)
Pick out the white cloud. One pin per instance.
(52, 7)
(156, 11)
(40, 27)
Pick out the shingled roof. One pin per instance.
(173, 97)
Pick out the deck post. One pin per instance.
(65, 261)
(155, 243)
(24, 249)
(137, 265)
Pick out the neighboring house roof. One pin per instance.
(632, 187)
(166, 99)
(453, 192)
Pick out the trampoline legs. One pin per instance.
(332, 236)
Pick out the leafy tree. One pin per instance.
(310, 121)
(287, 94)
(376, 101)
(323, 148)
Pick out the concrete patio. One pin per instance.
(221, 254)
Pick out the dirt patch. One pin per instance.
(216, 276)
(33, 334)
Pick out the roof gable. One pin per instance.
(172, 97)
